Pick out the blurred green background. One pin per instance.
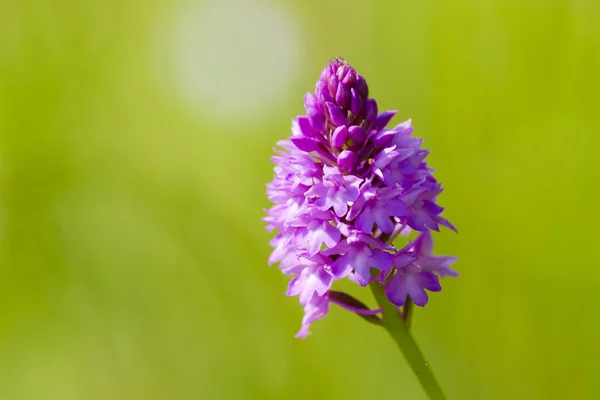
(135, 139)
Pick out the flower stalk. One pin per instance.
(408, 312)
(346, 187)
(398, 329)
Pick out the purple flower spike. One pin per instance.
(345, 186)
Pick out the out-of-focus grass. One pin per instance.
(132, 256)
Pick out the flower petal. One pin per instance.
(342, 266)
(396, 291)
(316, 309)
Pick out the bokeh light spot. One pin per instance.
(233, 59)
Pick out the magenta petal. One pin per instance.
(341, 248)
(384, 137)
(342, 96)
(384, 118)
(403, 259)
(395, 290)
(335, 114)
(305, 127)
(340, 136)
(357, 134)
(316, 309)
(333, 85)
(305, 144)
(316, 191)
(314, 113)
(439, 264)
(317, 120)
(349, 79)
(362, 274)
(431, 207)
(324, 203)
(309, 102)
(384, 221)
(385, 157)
(341, 267)
(314, 243)
(365, 221)
(418, 295)
(404, 153)
(429, 281)
(418, 221)
(356, 103)
(371, 111)
(314, 282)
(340, 207)
(396, 208)
(410, 197)
(352, 190)
(324, 281)
(404, 128)
(446, 223)
(295, 286)
(361, 86)
(331, 235)
(319, 234)
(347, 159)
(381, 260)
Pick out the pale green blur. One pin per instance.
(132, 254)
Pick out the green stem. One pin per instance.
(397, 328)
(408, 311)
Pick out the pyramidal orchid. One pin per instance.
(346, 187)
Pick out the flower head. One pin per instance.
(345, 187)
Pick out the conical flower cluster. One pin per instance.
(345, 187)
